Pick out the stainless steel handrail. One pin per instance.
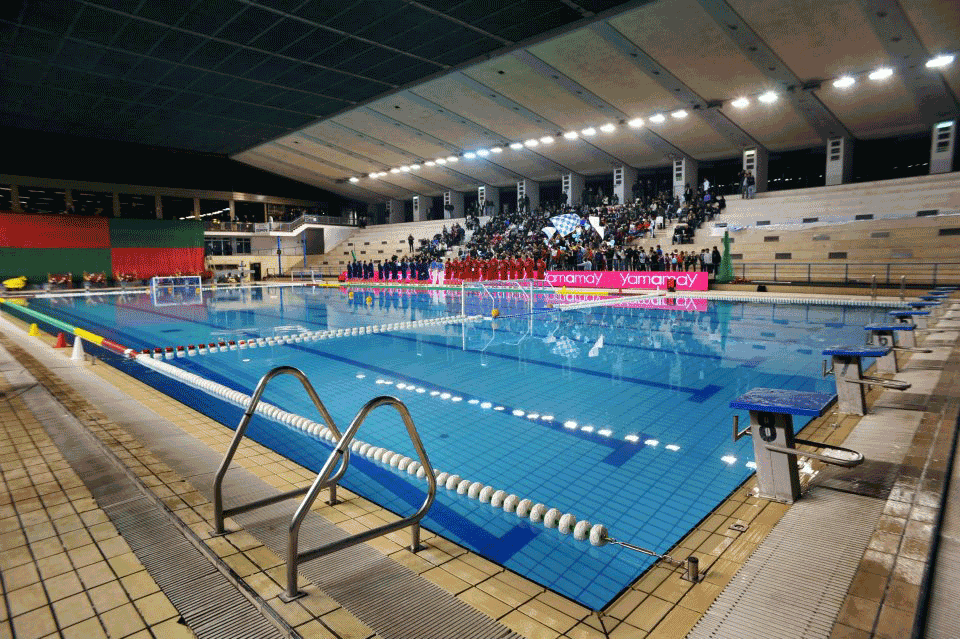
(342, 449)
(219, 513)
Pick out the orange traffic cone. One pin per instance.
(61, 341)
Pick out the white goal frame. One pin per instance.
(179, 290)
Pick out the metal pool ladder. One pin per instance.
(326, 478)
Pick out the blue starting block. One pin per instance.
(935, 308)
(774, 442)
(917, 316)
(899, 337)
(847, 371)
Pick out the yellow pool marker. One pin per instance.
(34, 330)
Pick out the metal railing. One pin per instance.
(887, 273)
(219, 513)
(294, 557)
(326, 478)
(266, 227)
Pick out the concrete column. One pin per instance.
(421, 207)
(839, 161)
(158, 206)
(573, 185)
(116, 205)
(196, 208)
(685, 171)
(755, 160)
(395, 211)
(67, 198)
(15, 199)
(531, 190)
(942, 146)
(455, 199)
(233, 211)
(624, 177)
(489, 199)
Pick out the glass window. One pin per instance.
(243, 246)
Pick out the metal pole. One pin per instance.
(774, 271)
(935, 273)
(903, 286)
(873, 287)
(808, 272)
(846, 273)
(888, 274)
(463, 299)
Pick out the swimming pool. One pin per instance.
(615, 414)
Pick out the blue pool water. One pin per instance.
(573, 386)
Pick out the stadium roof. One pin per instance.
(324, 91)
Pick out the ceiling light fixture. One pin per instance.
(374, 176)
(452, 158)
(658, 118)
(394, 170)
(531, 143)
(546, 139)
(429, 163)
(483, 153)
(496, 149)
(469, 155)
(768, 98)
(415, 167)
(940, 61)
(571, 135)
(516, 146)
(740, 103)
(441, 161)
(588, 131)
(635, 123)
(354, 179)
(608, 128)
(881, 74)
(844, 82)
(679, 114)
(405, 169)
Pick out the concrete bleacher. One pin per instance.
(923, 250)
(830, 204)
(380, 242)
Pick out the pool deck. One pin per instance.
(69, 571)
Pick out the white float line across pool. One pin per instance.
(310, 336)
(565, 523)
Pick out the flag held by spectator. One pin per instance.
(565, 224)
(549, 230)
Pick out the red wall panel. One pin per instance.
(53, 231)
(148, 262)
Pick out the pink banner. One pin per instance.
(690, 304)
(646, 280)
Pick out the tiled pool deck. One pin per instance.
(67, 572)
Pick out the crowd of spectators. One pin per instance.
(613, 246)
(510, 240)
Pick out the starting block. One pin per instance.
(919, 317)
(934, 307)
(847, 371)
(771, 426)
(886, 335)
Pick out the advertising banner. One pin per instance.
(643, 280)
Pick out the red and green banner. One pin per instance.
(36, 245)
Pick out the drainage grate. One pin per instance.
(797, 579)
(208, 602)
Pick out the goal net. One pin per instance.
(178, 290)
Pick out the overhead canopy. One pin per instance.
(325, 91)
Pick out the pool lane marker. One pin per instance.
(565, 523)
(221, 346)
